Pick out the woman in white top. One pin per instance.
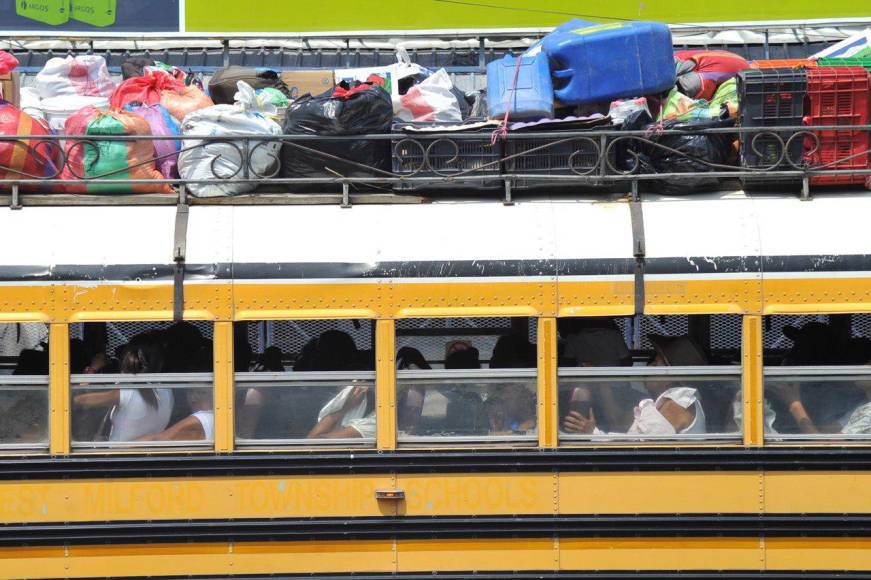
(673, 409)
(134, 413)
(198, 426)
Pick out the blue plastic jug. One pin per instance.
(597, 64)
(531, 99)
(573, 24)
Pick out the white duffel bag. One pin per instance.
(82, 76)
(220, 160)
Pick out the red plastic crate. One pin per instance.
(839, 96)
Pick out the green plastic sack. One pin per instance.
(275, 96)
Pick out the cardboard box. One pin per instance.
(10, 87)
(314, 82)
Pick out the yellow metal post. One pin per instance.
(223, 359)
(59, 388)
(385, 384)
(753, 381)
(548, 414)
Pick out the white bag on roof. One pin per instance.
(431, 101)
(83, 76)
(246, 117)
(393, 75)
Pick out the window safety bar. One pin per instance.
(304, 377)
(366, 442)
(650, 372)
(469, 374)
(23, 380)
(816, 371)
(174, 380)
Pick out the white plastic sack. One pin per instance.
(391, 74)
(623, 108)
(30, 103)
(85, 76)
(430, 101)
(243, 118)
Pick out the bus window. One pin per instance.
(23, 386)
(305, 382)
(817, 377)
(142, 385)
(466, 379)
(650, 378)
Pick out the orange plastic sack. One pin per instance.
(25, 158)
(147, 90)
(95, 159)
(184, 101)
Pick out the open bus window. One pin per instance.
(305, 382)
(141, 384)
(23, 386)
(650, 378)
(817, 377)
(466, 379)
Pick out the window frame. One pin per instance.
(597, 374)
(801, 374)
(440, 375)
(178, 381)
(301, 378)
(7, 381)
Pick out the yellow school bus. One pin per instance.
(284, 463)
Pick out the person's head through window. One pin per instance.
(335, 351)
(513, 351)
(461, 355)
(408, 358)
(510, 409)
(270, 361)
(593, 342)
(143, 357)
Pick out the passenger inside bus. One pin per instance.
(251, 402)
(822, 406)
(138, 413)
(675, 409)
(131, 413)
(198, 426)
(471, 407)
(510, 408)
(596, 342)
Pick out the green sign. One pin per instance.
(357, 15)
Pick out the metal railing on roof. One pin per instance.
(602, 159)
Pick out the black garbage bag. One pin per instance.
(348, 110)
(692, 153)
(135, 66)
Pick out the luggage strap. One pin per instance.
(639, 251)
(179, 252)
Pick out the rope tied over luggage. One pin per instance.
(502, 131)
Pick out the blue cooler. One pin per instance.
(597, 64)
(533, 98)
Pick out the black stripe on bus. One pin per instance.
(440, 269)
(369, 462)
(441, 527)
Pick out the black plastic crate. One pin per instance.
(551, 156)
(464, 160)
(771, 98)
